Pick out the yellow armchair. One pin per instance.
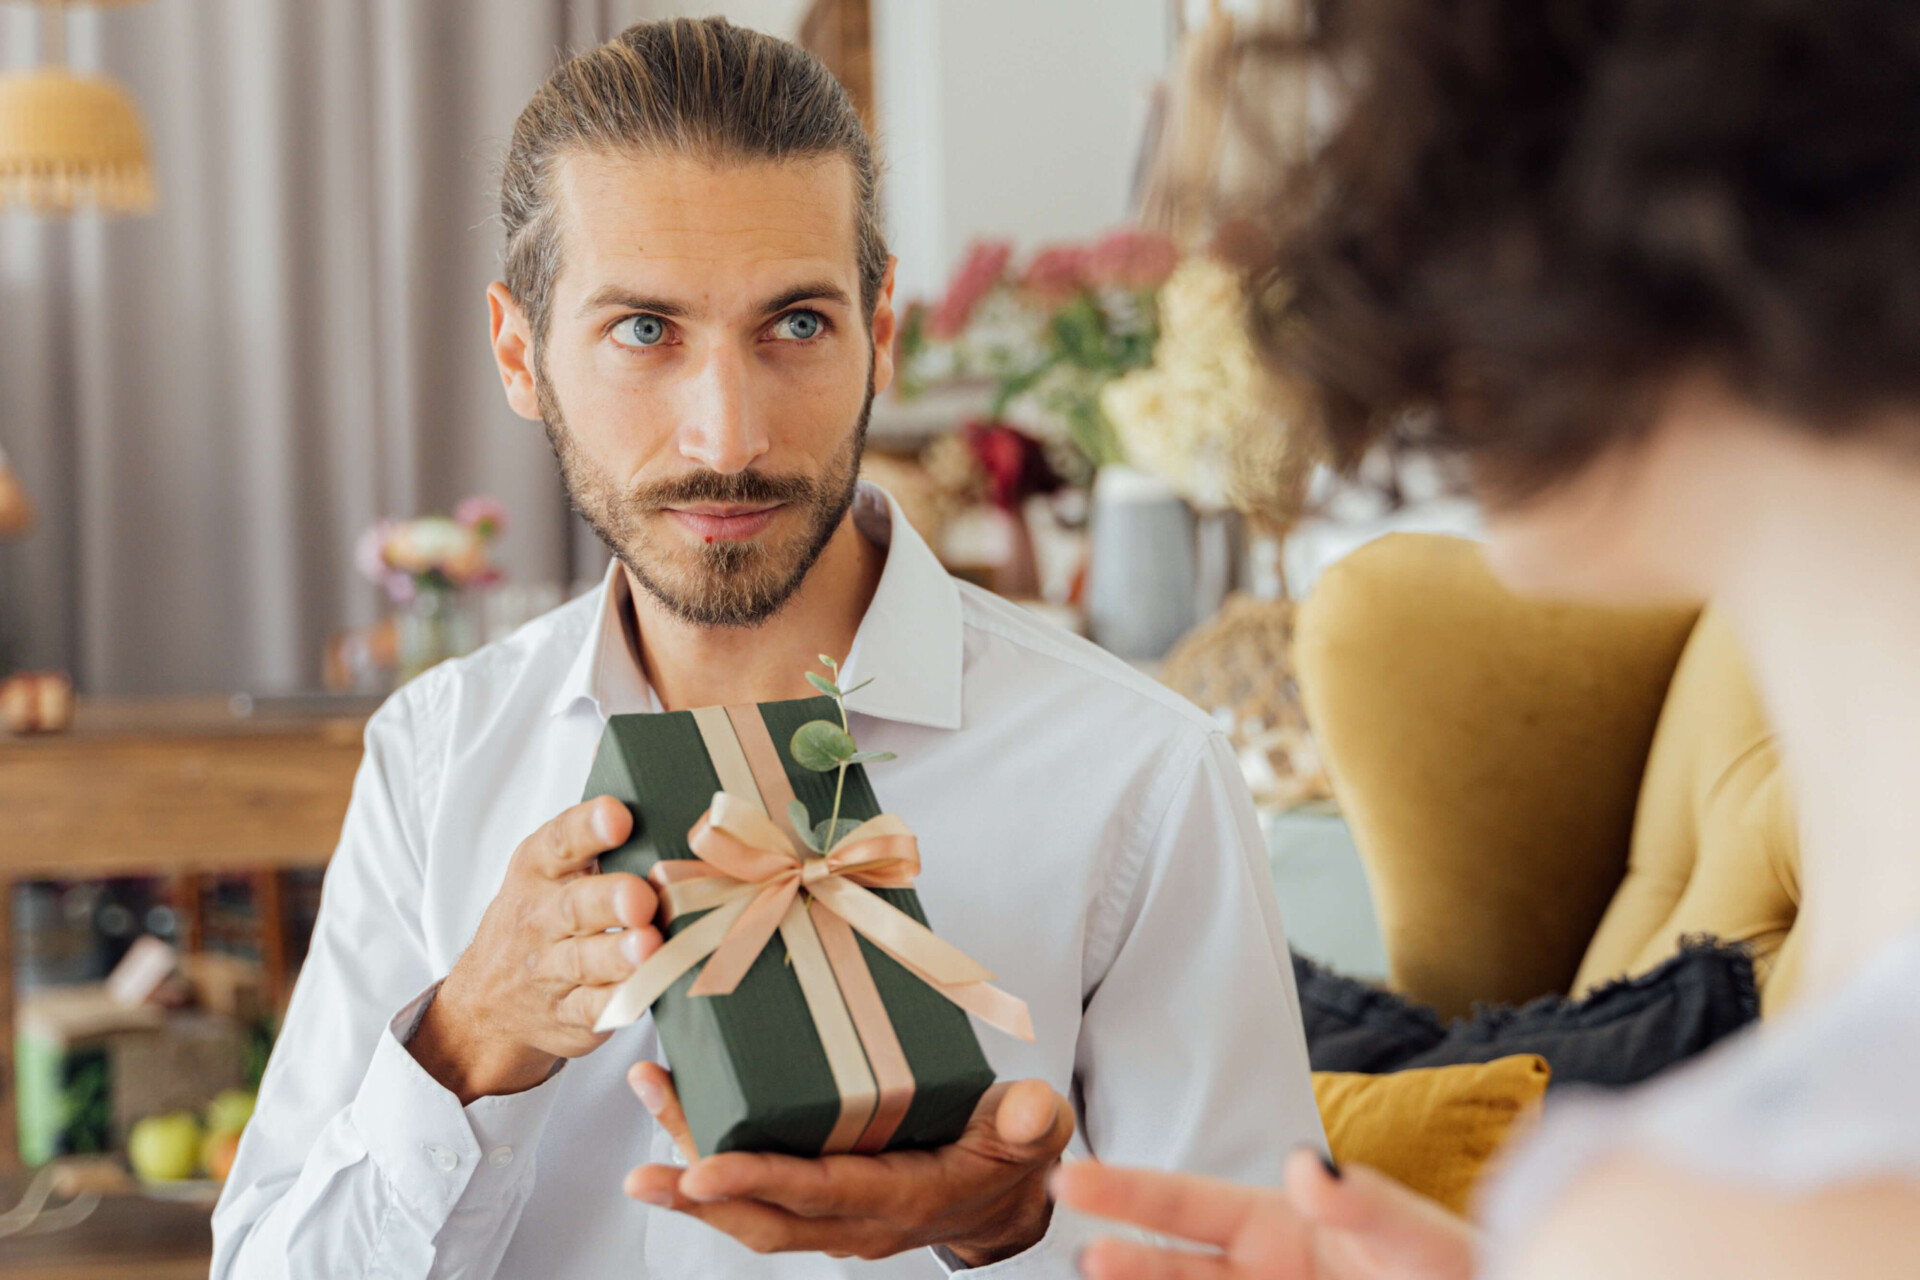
(1546, 795)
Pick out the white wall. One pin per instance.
(775, 17)
(1017, 118)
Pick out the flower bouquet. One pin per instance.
(1049, 335)
(428, 566)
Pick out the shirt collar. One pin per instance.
(909, 643)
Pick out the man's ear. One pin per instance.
(885, 324)
(513, 351)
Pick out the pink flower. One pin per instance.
(400, 587)
(370, 552)
(975, 277)
(1131, 259)
(486, 516)
(1057, 272)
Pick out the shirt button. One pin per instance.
(443, 1157)
(500, 1157)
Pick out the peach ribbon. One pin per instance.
(753, 877)
(748, 876)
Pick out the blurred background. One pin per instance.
(256, 467)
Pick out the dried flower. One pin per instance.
(1182, 418)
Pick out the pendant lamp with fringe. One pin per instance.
(68, 140)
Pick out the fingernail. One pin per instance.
(1333, 1170)
(652, 1097)
(603, 823)
(658, 1199)
(630, 948)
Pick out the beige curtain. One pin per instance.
(208, 404)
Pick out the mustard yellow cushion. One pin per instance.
(1433, 1128)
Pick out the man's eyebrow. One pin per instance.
(614, 295)
(816, 291)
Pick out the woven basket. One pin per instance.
(1239, 669)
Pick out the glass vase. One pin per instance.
(437, 624)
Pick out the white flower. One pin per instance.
(434, 542)
(1179, 418)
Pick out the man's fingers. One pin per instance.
(842, 1186)
(1033, 1120)
(594, 904)
(581, 1007)
(576, 837)
(1019, 1126)
(598, 959)
(1175, 1204)
(654, 1087)
(1125, 1260)
(764, 1228)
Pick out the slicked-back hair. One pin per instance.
(698, 87)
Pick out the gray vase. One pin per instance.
(1141, 567)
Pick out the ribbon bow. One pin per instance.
(748, 873)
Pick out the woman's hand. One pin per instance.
(1356, 1225)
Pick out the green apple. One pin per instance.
(163, 1148)
(229, 1111)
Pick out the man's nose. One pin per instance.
(723, 430)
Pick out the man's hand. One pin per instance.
(543, 964)
(984, 1197)
(1355, 1225)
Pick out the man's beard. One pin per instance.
(719, 584)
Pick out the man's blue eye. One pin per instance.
(641, 331)
(799, 325)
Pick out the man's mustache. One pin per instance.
(711, 486)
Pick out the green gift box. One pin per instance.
(752, 1068)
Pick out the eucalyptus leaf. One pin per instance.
(824, 840)
(823, 685)
(829, 663)
(802, 823)
(871, 757)
(857, 688)
(821, 746)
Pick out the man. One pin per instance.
(698, 307)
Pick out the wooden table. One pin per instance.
(169, 787)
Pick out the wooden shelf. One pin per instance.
(150, 788)
(174, 787)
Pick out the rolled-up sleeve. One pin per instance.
(357, 1162)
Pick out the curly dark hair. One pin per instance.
(1532, 216)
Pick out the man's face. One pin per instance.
(707, 370)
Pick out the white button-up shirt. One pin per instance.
(1084, 832)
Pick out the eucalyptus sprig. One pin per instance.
(823, 747)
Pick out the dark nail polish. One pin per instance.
(1333, 1170)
